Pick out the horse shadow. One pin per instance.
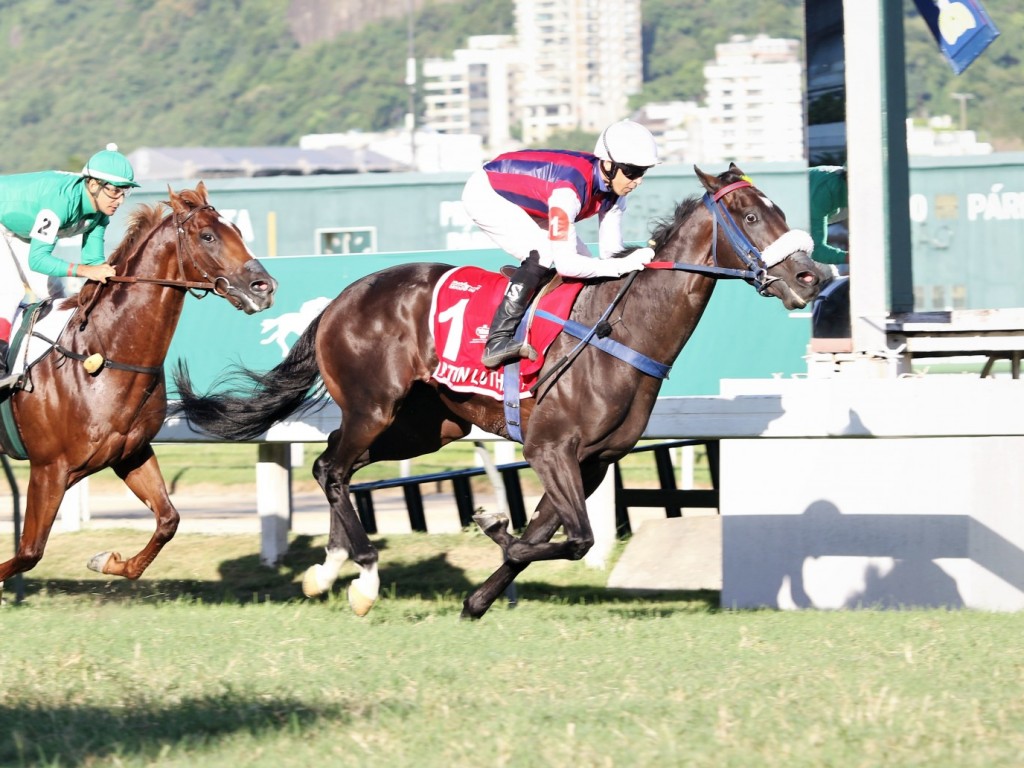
(432, 578)
(92, 734)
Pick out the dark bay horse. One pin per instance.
(373, 349)
(73, 423)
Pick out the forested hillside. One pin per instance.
(74, 76)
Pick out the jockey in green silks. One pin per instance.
(36, 209)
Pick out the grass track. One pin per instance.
(214, 661)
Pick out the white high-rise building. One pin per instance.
(754, 91)
(582, 60)
(475, 91)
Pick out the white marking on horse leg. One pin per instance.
(99, 561)
(319, 578)
(364, 590)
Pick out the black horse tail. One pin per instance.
(290, 387)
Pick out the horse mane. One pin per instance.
(668, 226)
(141, 221)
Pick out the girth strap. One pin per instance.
(107, 363)
(610, 346)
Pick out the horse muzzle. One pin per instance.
(252, 292)
(797, 280)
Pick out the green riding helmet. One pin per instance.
(110, 166)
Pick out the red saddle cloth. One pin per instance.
(460, 317)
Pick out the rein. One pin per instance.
(600, 328)
(187, 284)
(210, 285)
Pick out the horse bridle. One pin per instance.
(756, 272)
(211, 283)
(188, 285)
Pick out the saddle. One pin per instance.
(461, 311)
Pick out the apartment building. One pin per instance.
(754, 101)
(582, 60)
(475, 91)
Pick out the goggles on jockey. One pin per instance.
(631, 172)
(114, 192)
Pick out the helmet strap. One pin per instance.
(94, 194)
(610, 174)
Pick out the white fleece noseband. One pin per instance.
(791, 242)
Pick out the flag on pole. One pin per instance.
(962, 29)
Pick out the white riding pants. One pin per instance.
(508, 225)
(13, 291)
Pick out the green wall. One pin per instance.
(967, 217)
(741, 335)
(281, 215)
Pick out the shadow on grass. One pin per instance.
(81, 735)
(245, 580)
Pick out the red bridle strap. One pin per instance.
(729, 188)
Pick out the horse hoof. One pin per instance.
(489, 520)
(358, 602)
(99, 562)
(311, 586)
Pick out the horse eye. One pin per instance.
(206, 237)
(751, 218)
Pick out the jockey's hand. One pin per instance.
(645, 254)
(633, 262)
(97, 272)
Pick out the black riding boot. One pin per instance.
(3, 359)
(501, 347)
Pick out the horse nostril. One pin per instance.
(259, 286)
(807, 278)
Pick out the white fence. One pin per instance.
(833, 492)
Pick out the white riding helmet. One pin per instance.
(627, 142)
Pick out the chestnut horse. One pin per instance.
(374, 351)
(71, 422)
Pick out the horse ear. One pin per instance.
(201, 191)
(733, 168)
(174, 201)
(709, 182)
